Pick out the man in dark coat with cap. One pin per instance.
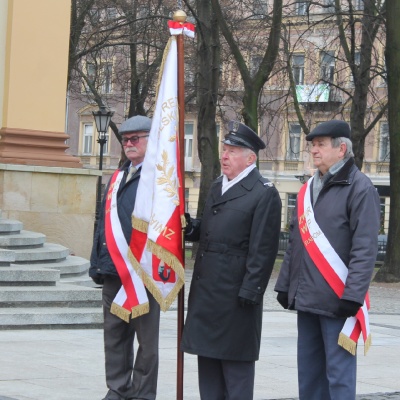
(328, 265)
(127, 377)
(239, 236)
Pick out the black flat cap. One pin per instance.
(138, 123)
(334, 128)
(242, 136)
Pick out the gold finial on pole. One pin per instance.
(179, 16)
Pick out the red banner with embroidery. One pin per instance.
(156, 248)
(332, 269)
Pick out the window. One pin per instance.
(87, 138)
(357, 58)
(327, 66)
(293, 149)
(358, 4)
(260, 8)
(255, 62)
(384, 144)
(111, 13)
(301, 7)
(298, 68)
(383, 211)
(329, 6)
(291, 204)
(189, 126)
(101, 76)
(106, 71)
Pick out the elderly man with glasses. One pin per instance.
(125, 378)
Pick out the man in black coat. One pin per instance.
(126, 379)
(239, 237)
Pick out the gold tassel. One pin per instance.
(140, 225)
(367, 344)
(348, 344)
(120, 312)
(140, 310)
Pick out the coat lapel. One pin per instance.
(240, 189)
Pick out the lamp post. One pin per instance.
(102, 119)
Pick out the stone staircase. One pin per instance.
(43, 286)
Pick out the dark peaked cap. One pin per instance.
(334, 129)
(242, 136)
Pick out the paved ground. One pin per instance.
(68, 364)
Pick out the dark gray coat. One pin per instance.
(100, 259)
(348, 212)
(239, 235)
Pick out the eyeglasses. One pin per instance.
(133, 139)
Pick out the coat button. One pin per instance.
(104, 244)
(197, 277)
(215, 212)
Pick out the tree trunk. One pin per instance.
(208, 61)
(390, 271)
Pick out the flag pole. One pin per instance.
(180, 16)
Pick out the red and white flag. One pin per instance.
(179, 28)
(156, 244)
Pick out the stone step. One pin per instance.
(27, 276)
(23, 239)
(49, 252)
(70, 267)
(51, 318)
(58, 296)
(8, 226)
(6, 257)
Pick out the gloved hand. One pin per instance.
(347, 308)
(283, 299)
(243, 302)
(189, 225)
(98, 279)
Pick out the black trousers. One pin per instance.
(225, 380)
(126, 378)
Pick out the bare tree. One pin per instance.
(350, 40)
(246, 30)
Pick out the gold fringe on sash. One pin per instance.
(367, 344)
(126, 315)
(140, 309)
(120, 312)
(140, 225)
(349, 345)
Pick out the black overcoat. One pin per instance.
(239, 236)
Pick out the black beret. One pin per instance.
(242, 136)
(138, 123)
(334, 128)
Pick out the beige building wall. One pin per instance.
(40, 184)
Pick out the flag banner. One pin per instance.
(332, 268)
(131, 300)
(179, 28)
(156, 247)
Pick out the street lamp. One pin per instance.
(102, 119)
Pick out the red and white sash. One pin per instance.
(131, 300)
(332, 269)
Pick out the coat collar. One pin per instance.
(238, 190)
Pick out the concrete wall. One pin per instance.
(59, 202)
